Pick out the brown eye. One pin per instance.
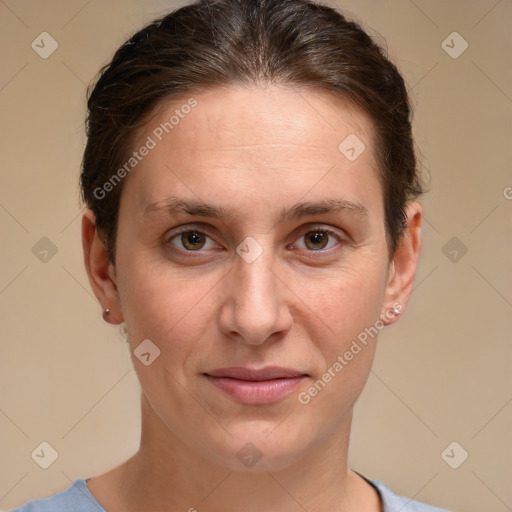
(316, 240)
(320, 240)
(190, 240)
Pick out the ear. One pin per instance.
(402, 269)
(100, 271)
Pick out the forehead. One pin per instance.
(273, 135)
(258, 121)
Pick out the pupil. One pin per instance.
(192, 238)
(317, 238)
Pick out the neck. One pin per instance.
(167, 474)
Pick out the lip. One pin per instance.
(256, 387)
(268, 373)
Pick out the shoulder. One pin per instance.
(394, 503)
(75, 498)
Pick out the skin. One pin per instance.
(300, 304)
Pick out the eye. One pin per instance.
(318, 240)
(190, 240)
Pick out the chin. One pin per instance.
(260, 446)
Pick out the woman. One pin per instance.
(253, 221)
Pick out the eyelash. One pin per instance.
(191, 229)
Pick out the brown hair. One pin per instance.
(223, 42)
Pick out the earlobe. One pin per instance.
(100, 271)
(403, 266)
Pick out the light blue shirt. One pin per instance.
(77, 498)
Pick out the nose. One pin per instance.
(258, 300)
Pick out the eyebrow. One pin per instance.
(174, 205)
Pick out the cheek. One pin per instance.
(345, 302)
(345, 343)
(167, 307)
(344, 331)
(172, 315)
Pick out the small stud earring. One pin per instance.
(107, 312)
(396, 311)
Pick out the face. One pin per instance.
(248, 238)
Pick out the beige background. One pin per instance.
(442, 374)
